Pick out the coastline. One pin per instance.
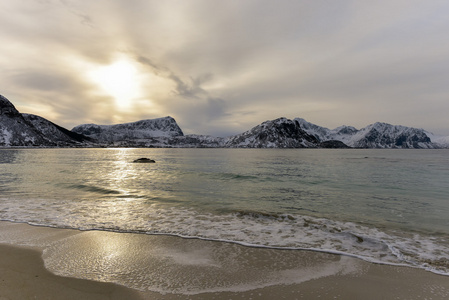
(178, 268)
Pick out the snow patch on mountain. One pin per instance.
(5, 137)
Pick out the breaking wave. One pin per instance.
(245, 227)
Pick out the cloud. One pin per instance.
(216, 108)
(189, 98)
(232, 64)
(84, 19)
(188, 89)
(41, 80)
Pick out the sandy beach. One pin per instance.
(23, 276)
(48, 263)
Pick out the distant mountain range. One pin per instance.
(25, 130)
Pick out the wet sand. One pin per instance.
(165, 267)
(23, 276)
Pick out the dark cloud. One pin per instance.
(189, 89)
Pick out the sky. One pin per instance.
(223, 67)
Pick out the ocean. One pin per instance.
(382, 206)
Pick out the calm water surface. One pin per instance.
(388, 206)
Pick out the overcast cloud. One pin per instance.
(222, 67)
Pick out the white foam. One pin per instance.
(252, 229)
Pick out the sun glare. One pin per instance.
(120, 80)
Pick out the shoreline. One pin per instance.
(167, 267)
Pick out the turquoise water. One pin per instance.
(388, 206)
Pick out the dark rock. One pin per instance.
(144, 160)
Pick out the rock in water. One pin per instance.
(144, 160)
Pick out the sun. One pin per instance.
(120, 80)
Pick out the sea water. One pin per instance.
(384, 206)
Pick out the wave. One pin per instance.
(230, 176)
(94, 189)
(245, 227)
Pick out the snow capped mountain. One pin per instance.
(279, 133)
(377, 135)
(440, 141)
(7, 109)
(320, 133)
(140, 130)
(199, 141)
(164, 132)
(323, 134)
(15, 130)
(24, 130)
(58, 134)
(383, 135)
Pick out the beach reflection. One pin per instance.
(176, 265)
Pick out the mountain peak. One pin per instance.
(27, 130)
(7, 108)
(278, 133)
